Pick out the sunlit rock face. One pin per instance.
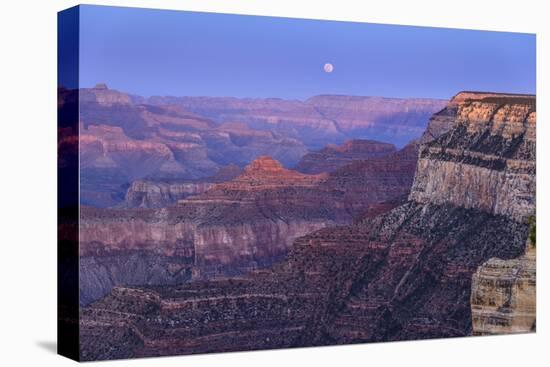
(504, 295)
(488, 162)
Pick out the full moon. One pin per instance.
(328, 68)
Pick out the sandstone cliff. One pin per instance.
(400, 275)
(504, 295)
(158, 194)
(487, 162)
(161, 193)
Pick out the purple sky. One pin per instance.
(159, 52)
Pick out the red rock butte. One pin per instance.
(265, 172)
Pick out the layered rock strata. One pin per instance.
(123, 139)
(487, 162)
(504, 295)
(385, 119)
(161, 193)
(157, 194)
(321, 119)
(233, 227)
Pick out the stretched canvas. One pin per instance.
(234, 183)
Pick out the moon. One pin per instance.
(328, 68)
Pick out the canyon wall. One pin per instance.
(487, 163)
(155, 194)
(171, 246)
(319, 120)
(162, 193)
(384, 119)
(233, 227)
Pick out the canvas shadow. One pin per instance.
(48, 345)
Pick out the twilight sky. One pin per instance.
(159, 52)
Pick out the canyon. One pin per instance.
(233, 227)
(125, 138)
(418, 262)
(319, 120)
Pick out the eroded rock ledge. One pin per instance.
(504, 295)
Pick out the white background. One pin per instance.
(28, 182)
